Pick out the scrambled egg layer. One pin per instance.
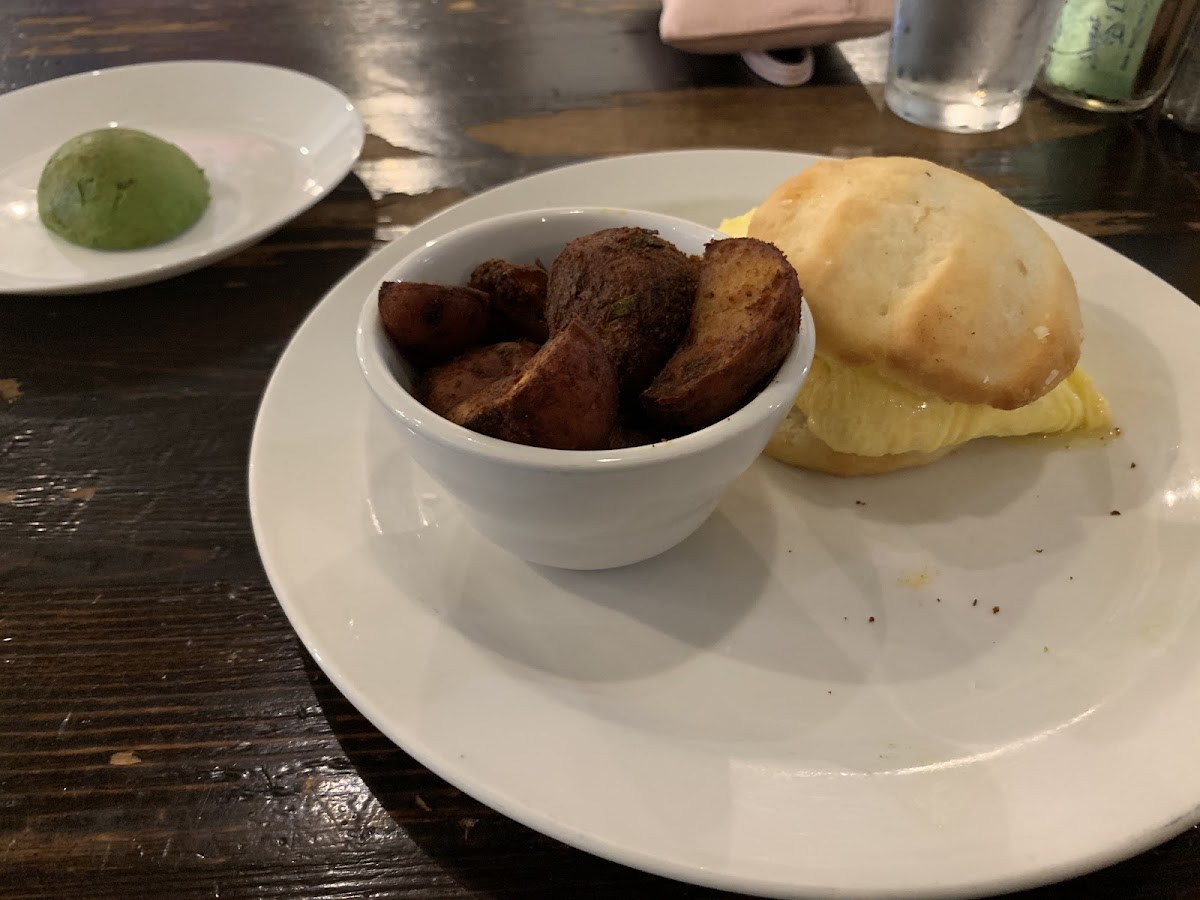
(857, 410)
(738, 226)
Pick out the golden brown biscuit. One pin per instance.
(936, 279)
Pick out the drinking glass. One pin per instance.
(966, 65)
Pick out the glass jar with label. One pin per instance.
(1115, 55)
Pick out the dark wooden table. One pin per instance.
(162, 731)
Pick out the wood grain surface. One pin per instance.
(162, 731)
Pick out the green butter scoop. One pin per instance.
(120, 189)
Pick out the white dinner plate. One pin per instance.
(955, 680)
(271, 141)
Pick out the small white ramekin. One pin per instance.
(571, 509)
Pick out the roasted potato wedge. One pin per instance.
(744, 323)
(433, 322)
(634, 289)
(518, 297)
(564, 398)
(444, 387)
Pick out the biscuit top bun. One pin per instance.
(933, 278)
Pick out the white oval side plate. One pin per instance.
(271, 141)
(812, 695)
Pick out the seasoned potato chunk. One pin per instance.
(444, 387)
(432, 322)
(631, 287)
(518, 297)
(564, 398)
(744, 323)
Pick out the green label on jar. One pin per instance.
(1098, 46)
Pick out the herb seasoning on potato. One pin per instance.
(625, 341)
(634, 289)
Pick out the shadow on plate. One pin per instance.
(598, 627)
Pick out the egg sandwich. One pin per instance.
(943, 313)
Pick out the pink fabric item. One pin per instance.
(731, 26)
